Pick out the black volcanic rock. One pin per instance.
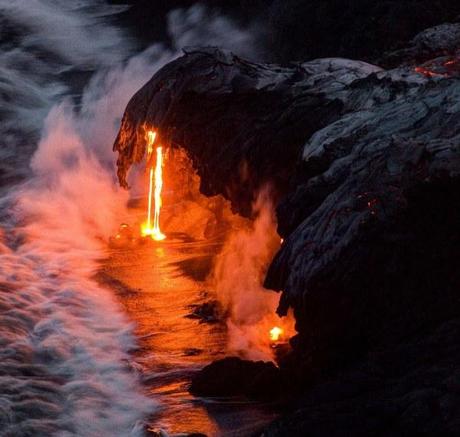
(379, 243)
(410, 388)
(236, 377)
(365, 164)
(252, 120)
(439, 41)
(207, 312)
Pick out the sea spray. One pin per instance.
(238, 276)
(65, 341)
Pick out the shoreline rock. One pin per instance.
(365, 168)
(233, 376)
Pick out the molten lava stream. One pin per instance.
(155, 178)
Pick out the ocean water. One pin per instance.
(81, 355)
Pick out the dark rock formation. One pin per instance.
(365, 165)
(236, 377)
(410, 388)
(207, 312)
(436, 42)
(252, 120)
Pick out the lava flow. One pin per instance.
(276, 333)
(147, 228)
(440, 68)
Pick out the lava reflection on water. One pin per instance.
(157, 288)
(162, 283)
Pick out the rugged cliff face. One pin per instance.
(365, 165)
(243, 124)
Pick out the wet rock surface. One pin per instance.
(252, 123)
(233, 376)
(207, 312)
(365, 168)
(401, 390)
(435, 42)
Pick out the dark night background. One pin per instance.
(299, 30)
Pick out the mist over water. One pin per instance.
(47, 47)
(237, 277)
(198, 26)
(64, 366)
(65, 341)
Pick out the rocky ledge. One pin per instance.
(365, 169)
(233, 376)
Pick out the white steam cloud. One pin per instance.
(198, 26)
(238, 276)
(72, 327)
(67, 29)
(64, 339)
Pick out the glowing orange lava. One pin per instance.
(276, 333)
(440, 68)
(429, 73)
(155, 178)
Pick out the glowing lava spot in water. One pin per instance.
(275, 333)
(155, 178)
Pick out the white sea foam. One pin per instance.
(64, 340)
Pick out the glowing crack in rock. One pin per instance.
(155, 179)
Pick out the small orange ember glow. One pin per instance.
(155, 177)
(276, 333)
(429, 73)
(441, 68)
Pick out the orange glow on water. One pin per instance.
(276, 333)
(197, 229)
(155, 179)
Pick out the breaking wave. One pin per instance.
(65, 342)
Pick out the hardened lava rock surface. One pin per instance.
(243, 124)
(365, 169)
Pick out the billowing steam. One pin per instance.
(237, 278)
(64, 340)
(47, 48)
(66, 327)
(67, 28)
(198, 26)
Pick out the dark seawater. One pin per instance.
(77, 356)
